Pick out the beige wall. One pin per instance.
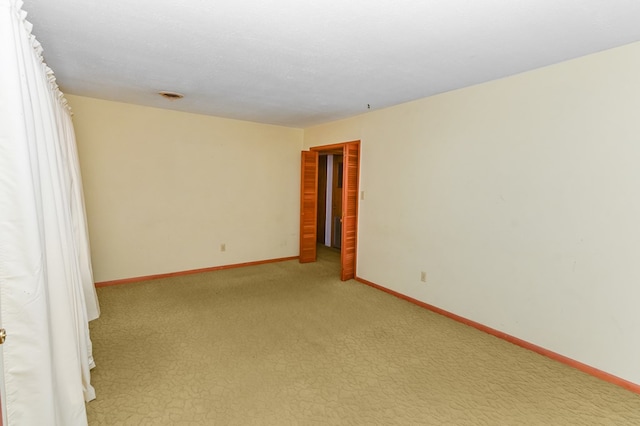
(163, 189)
(520, 198)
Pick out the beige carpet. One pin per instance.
(290, 344)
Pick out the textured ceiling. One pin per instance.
(299, 63)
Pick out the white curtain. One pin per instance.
(47, 294)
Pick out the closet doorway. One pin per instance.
(335, 170)
(329, 215)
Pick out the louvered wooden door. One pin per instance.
(308, 206)
(350, 210)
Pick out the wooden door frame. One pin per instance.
(340, 148)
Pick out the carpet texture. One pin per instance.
(290, 344)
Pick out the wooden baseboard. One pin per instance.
(190, 271)
(603, 375)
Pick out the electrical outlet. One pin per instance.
(223, 247)
(423, 276)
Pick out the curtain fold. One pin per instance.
(47, 294)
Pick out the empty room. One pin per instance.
(338, 212)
